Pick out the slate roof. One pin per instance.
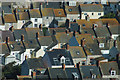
(6, 7)
(47, 12)
(115, 29)
(21, 9)
(57, 53)
(4, 48)
(16, 46)
(74, 26)
(56, 30)
(106, 67)
(35, 63)
(62, 37)
(55, 75)
(73, 42)
(87, 71)
(72, 9)
(7, 34)
(23, 16)
(102, 32)
(59, 13)
(91, 7)
(70, 71)
(88, 31)
(42, 77)
(35, 13)
(9, 18)
(31, 32)
(77, 52)
(18, 32)
(55, 5)
(32, 43)
(45, 40)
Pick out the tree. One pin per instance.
(109, 15)
(10, 71)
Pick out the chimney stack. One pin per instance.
(83, 42)
(7, 39)
(11, 28)
(40, 27)
(33, 74)
(115, 43)
(41, 6)
(87, 18)
(22, 37)
(67, 46)
(26, 57)
(74, 33)
(78, 65)
(37, 35)
(63, 66)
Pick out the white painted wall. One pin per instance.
(73, 16)
(94, 16)
(47, 21)
(39, 21)
(105, 51)
(2, 27)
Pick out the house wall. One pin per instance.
(73, 16)
(105, 51)
(110, 76)
(114, 36)
(41, 51)
(39, 21)
(9, 59)
(76, 60)
(2, 27)
(60, 19)
(8, 25)
(94, 16)
(46, 22)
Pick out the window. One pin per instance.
(99, 13)
(75, 76)
(83, 25)
(46, 17)
(56, 62)
(35, 25)
(113, 72)
(92, 13)
(101, 45)
(23, 21)
(35, 20)
(59, 13)
(77, 52)
(68, 61)
(85, 13)
(93, 76)
(62, 59)
(83, 62)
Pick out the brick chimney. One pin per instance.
(26, 57)
(41, 6)
(63, 66)
(22, 37)
(83, 42)
(87, 18)
(78, 65)
(11, 28)
(40, 27)
(33, 75)
(7, 39)
(67, 46)
(37, 35)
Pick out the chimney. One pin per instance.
(22, 37)
(26, 57)
(83, 42)
(7, 39)
(63, 66)
(87, 18)
(78, 65)
(3, 13)
(47, 2)
(53, 32)
(11, 28)
(33, 74)
(37, 35)
(67, 46)
(74, 33)
(11, 6)
(67, 23)
(114, 43)
(41, 6)
(40, 27)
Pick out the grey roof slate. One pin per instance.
(35, 63)
(91, 8)
(88, 70)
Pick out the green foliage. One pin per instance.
(110, 15)
(10, 71)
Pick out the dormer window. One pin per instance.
(75, 76)
(101, 45)
(62, 59)
(113, 72)
(93, 76)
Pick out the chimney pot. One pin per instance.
(22, 37)
(7, 39)
(83, 42)
(63, 66)
(37, 35)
